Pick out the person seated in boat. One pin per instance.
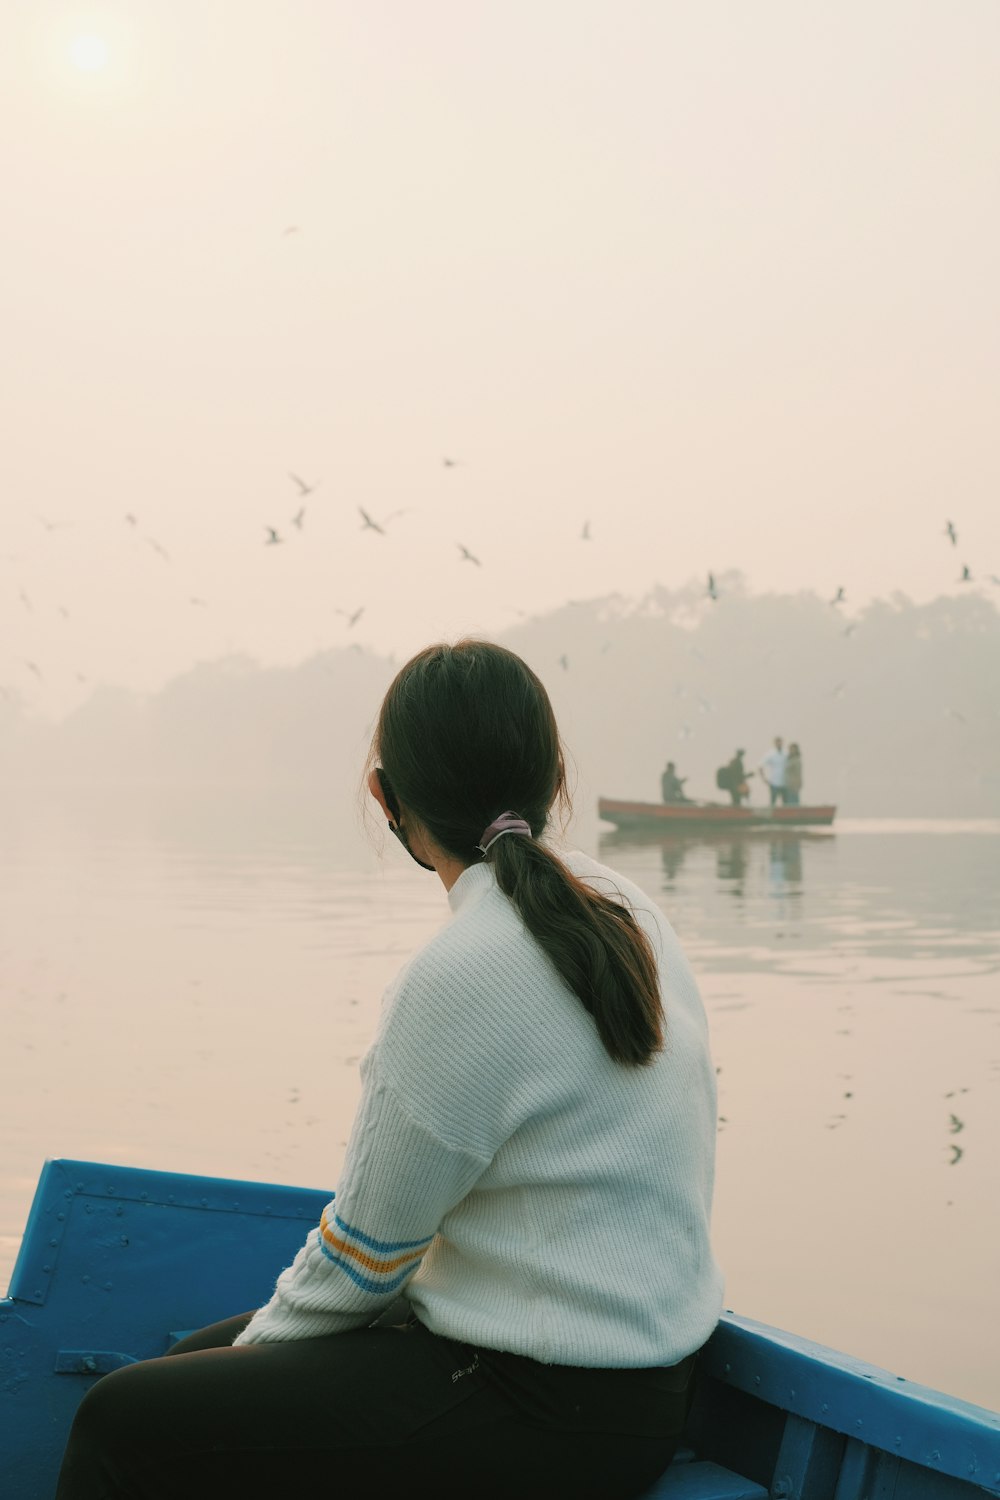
(793, 776)
(672, 785)
(530, 1165)
(733, 778)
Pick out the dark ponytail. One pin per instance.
(466, 732)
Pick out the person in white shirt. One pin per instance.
(773, 767)
(531, 1166)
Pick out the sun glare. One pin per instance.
(88, 52)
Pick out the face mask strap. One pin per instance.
(395, 825)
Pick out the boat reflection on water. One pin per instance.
(773, 855)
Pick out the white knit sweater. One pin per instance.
(531, 1194)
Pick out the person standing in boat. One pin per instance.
(773, 767)
(531, 1164)
(732, 778)
(672, 785)
(793, 776)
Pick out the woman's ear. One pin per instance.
(375, 787)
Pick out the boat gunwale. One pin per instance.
(837, 1392)
(622, 812)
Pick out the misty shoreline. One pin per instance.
(668, 689)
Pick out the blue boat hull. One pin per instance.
(117, 1263)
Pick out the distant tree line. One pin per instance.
(897, 708)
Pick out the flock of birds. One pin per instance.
(368, 521)
(273, 538)
(712, 591)
(305, 489)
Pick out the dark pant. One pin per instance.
(375, 1407)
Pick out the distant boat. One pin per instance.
(117, 1263)
(668, 816)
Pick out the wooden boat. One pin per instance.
(117, 1263)
(671, 816)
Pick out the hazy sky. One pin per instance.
(718, 278)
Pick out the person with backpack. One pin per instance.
(732, 778)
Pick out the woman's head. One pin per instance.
(466, 732)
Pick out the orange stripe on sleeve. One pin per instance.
(371, 1262)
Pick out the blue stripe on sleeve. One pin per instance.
(367, 1283)
(383, 1246)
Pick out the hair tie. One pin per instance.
(508, 822)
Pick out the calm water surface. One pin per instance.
(191, 988)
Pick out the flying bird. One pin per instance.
(712, 591)
(54, 525)
(304, 489)
(966, 575)
(467, 555)
(152, 542)
(193, 599)
(954, 714)
(851, 628)
(380, 525)
(450, 463)
(292, 229)
(26, 601)
(299, 517)
(352, 619)
(273, 539)
(130, 518)
(950, 532)
(34, 667)
(838, 597)
(585, 533)
(564, 663)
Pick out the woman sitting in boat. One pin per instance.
(531, 1163)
